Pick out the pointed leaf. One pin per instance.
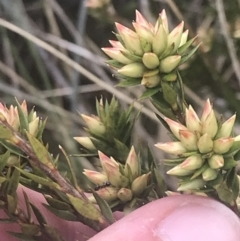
(13, 182)
(114, 63)
(57, 204)
(27, 205)
(22, 236)
(169, 94)
(53, 233)
(23, 119)
(40, 218)
(3, 160)
(40, 151)
(149, 93)
(14, 149)
(86, 209)
(184, 47)
(12, 202)
(104, 207)
(29, 229)
(189, 55)
(64, 214)
(128, 81)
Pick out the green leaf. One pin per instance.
(104, 207)
(160, 186)
(53, 233)
(86, 209)
(12, 202)
(229, 163)
(64, 214)
(40, 218)
(40, 180)
(189, 55)
(22, 236)
(13, 182)
(224, 193)
(27, 205)
(169, 94)
(149, 93)
(233, 183)
(40, 151)
(3, 160)
(29, 229)
(6, 133)
(23, 119)
(126, 82)
(184, 47)
(57, 204)
(14, 149)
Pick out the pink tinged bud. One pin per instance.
(174, 38)
(116, 55)
(95, 177)
(13, 118)
(141, 20)
(192, 121)
(175, 148)
(150, 60)
(210, 125)
(24, 107)
(226, 128)
(134, 70)
(159, 42)
(85, 142)
(188, 139)
(33, 127)
(184, 38)
(125, 194)
(164, 19)
(168, 64)
(108, 193)
(114, 175)
(175, 127)
(132, 162)
(143, 32)
(216, 161)
(130, 39)
(205, 144)
(94, 124)
(206, 111)
(222, 145)
(105, 159)
(192, 185)
(179, 171)
(140, 183)
(209, 174)
(192, 163)
(237, 138)
(116, 44)
(151, 81)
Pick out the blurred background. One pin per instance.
(77, 29)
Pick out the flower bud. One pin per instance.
(13, 160)
(85, 142)
(142, 21)
(184, 38)
(105, 159)
(192, 163)
(188, 139)
(216, 161)
(175, 127)
(175, 148)
(226, 128)
(143, 32)
(95, 177)
(134, 70)
(179, 171)
(174, 38)
(151, 81)
(222, 145)
(108, 193)
(125, 194)
(140, 183)
(150, 60)
(94, 124)
(209, 174)
(33, 127)
(192, 185)
(192, 121)
(116, 54)
(24, 108)
(205, 143)
(169, 63)
(206, 111)
(130, 39)
(159, 42)
(210, 125)
(164, 21)
(132, 162)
